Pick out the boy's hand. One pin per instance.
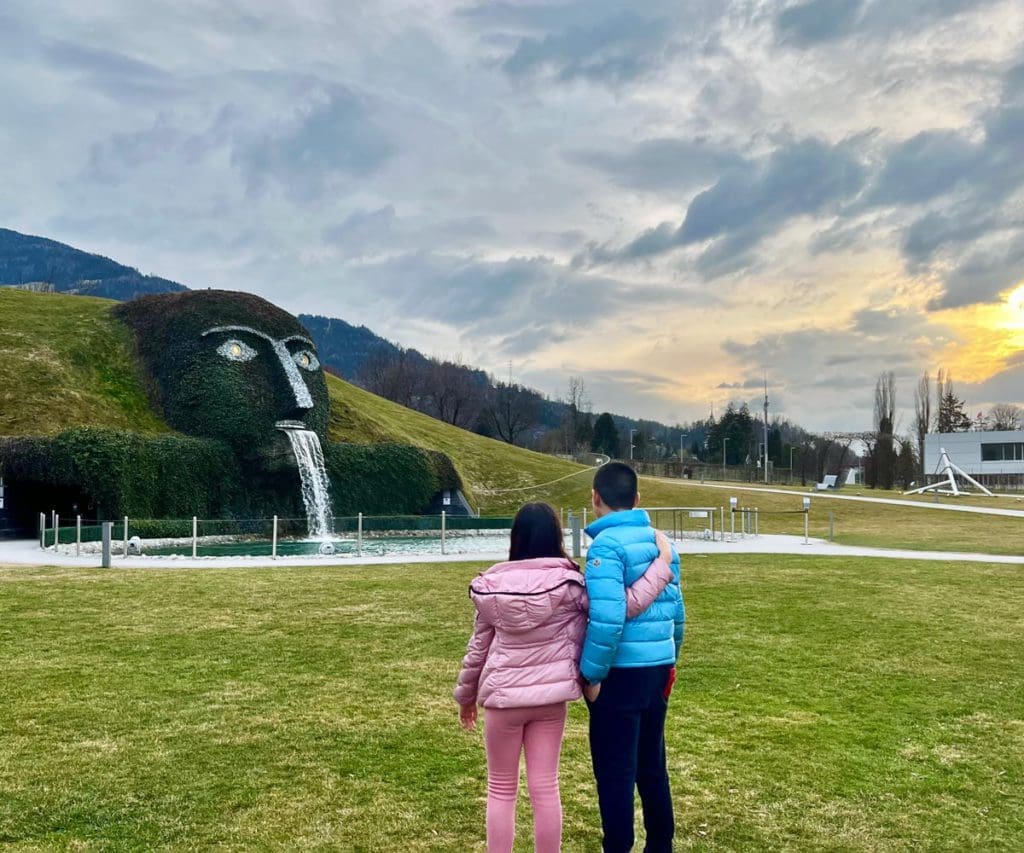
(591, 691)
(664, 546)
(467, 717)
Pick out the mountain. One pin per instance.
(344, 347)
(36, 263)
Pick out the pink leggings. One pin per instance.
(507, 731)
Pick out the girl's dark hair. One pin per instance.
(536, 532)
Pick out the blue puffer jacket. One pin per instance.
(622, 549)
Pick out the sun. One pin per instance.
(1015, 305)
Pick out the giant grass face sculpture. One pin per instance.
(230, 366)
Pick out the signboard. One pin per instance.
(446, 499)
(698, 515)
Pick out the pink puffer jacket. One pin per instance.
(530, 623)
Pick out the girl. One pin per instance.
(522, 665)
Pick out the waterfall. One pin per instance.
(316, 492)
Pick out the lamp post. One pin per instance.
(632, 432)
(725, 444)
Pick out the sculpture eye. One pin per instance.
(235, 350)
(306, 359)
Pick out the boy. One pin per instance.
(628, 666)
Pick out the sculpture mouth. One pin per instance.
(287, 424)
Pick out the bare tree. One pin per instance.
(510, 410)
(883, 456)
(390, 375)
(454, 394)
(577, 428)
(922, 413)
(1005, 416)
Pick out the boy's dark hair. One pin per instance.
(615, 483)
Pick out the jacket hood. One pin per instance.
(522, 595)
(622, 518)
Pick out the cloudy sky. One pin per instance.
(669, 199)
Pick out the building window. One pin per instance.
(1006, 451)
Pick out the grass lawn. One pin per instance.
(823, 704)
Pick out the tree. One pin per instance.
(454, 394)
(510, 410)
(922, 413)
(906, 464)
(577, 423)
(606, 436)
(951, 416)
(1005, 416)
(882, 468)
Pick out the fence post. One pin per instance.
(195, 537)
(359, 537)
(56, 532)
(831, 525)
(721, 521)
(444, 522)
(53, 524)
(807, 520)
(574, 524)
(42, 530)
(78, 536)
(126, 537)
(757, 521)
(732, 517)
(273, 541)
(108, 533)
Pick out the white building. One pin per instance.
(992, 458)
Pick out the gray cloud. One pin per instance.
(753, 200)
(817, 21)
(661, 165)
(329, 137)
(983, 275)
(811, 23)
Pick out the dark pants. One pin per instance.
(627, 746)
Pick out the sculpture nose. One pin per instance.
(300, 393)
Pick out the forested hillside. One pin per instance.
(26, 259)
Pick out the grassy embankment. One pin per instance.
(839, 704)
(66, 362)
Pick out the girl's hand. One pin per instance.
(467, 717)
(664, 548)
(592, 691)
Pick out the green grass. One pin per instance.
(822, 704)
(66, 362)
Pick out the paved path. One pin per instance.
(27, 553)
(729, 487)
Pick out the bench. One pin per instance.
(828, 483)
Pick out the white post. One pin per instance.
(757, 521)
(359, 537)
(56, 532)
(721, 521)
(807, 520)
(273, 541)
(78, 536)
(53, 524)
(195, 537)
(732, 518)
(126, 536)
(444, 519)
(42, 530)
(584, 527)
